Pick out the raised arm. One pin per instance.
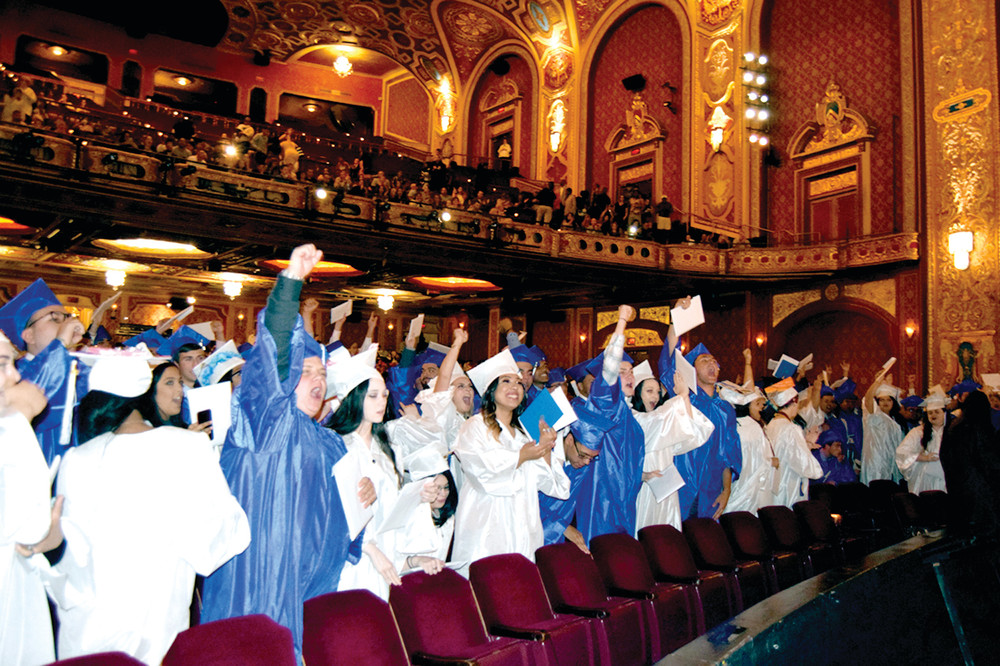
(308, 308)
(616, 347)
(283, 303)
(99, 313)
(747, 368)
(370, 333)
(869, 399)
(450, 360)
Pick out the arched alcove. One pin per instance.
(503, 106)
(854, 332)
(647, 41)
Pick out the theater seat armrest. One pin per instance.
(422, 659)
(537, 635)
(579, 610)
(632, 594)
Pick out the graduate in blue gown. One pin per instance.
(411, 376)
(582, 446)
(607, 499)
(709, 470)
(38, 324)
(278, 461)
(836, 468)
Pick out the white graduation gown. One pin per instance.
(920, 476)
(439, 406)
(813, 416)
(25, 628)
(498, 505)
(882, 436)
(755, 487)
(144, 513)
(796, 463)
(669, 432)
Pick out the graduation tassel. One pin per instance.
(66, 432)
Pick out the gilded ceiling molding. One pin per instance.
(961, 133)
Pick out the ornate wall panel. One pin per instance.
(960, 56)
(856, 42)
(490, 84)
(408, 111)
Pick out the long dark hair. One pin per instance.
(925, 437)
(100, 412)
(146, 403)
(348, 418)
(637, 403)
(897, 414)
(489, 409)
(450, 504)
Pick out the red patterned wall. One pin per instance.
(408, 111)
(520, 74)
(857, 43)
(724, 333)
(647, 42)
(555, 339)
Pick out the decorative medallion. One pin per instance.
(363, 13)
(299, 11)
(716, 12)
(418, 23)
(539, 16)
(558, 69)
(719, 68)
(472, 26)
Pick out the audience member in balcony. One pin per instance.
(918, 456)
(501, 206)
(709, 470)
(259, 143)
(198, 157)
(545, 198)
(381, 185)
(60, 125)
(598, 201)
(146, 143)
(182, 149)
(290, 152)
(882, 431)
(244, 133)
(20, 101)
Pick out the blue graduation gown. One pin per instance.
(834, 471)
(279, 463)
(607, 500)
(702, 468)
(852, 424)
(50, 371)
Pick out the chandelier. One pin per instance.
(342, 66)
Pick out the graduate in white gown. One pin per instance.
(504, 470)
(358, 419)
(882, 433)
(918, 456)
(792, 447)
(756, 485)
(671, 427)
(146, 509)
(430, 533)
(25, 628)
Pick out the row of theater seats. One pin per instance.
(631, 601)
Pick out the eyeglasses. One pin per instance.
(584, 456)
(56, 316)
(443, 490)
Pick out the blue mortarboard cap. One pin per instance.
(693, 355)
(245, 349)
(539, 354)
(556, 376)
(333, 346)
(313, 348)
(185, 335)
(911, 401)
(522, 354)
(16, 314)
(964, 386)
(826, 390)
(831, 435)
(590, 426)
(594, 365)
(577, 372)
(845, 391)
(101, 335)
(428, 355)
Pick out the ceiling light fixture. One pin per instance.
(57, 51)
(385, 302)
(151, 247)
(115, 278)
(342, 66)
(182, 81)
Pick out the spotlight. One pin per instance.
(751, 112)
(747, 77)
(320, 193)
(762, 59)
(445, 216)
(761, 79)
(763, 140)
(762, 114)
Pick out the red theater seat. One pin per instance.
(254, 640)
(351, 627)
(749, 541)
(711, 550)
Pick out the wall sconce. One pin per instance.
(390, 326)
(684, 347)
(960, 246)
(342, 66)
(760, 339)
(583, 337)
(240, 316)
(910, 329)
(717, 125)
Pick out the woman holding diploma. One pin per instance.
(670, 428)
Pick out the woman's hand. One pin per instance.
(52, 539)
(680, 386)
(309, 306)
(574, 536)
(431, 565)
(366, 492)
(205, 427)
(428, 493)
(382, 564)
(532, 451)
(626, 312)
(646, 476)
(460, 337)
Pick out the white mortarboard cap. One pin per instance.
(889, 390)
(455, 374)
(936, 399)
(125, 376)
(642, 372)
(483, 374)
(781, 393)
(218, 363)
(424, 462)
(344, 374)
